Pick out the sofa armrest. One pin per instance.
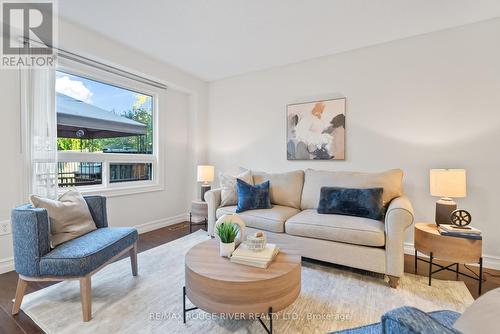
(30, 237)
(410, 320)
(212, 197)
(97, 208)
(398, 218)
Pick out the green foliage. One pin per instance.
(139, 115)
(227, 232)
(140, 112)
(66, 144)
(75, 144)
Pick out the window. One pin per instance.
(72, 174)
(106, 135)
(126, 172)
(97, 117)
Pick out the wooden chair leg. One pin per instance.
(393, 281)
(86, 297)
(21, 288)
(133, 259)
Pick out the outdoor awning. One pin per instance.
(74, 115)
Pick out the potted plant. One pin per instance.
(227, 233)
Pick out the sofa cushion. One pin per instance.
(82, 255)
(229, 192)
(272, 220)
(354, 230)
(391, 181)
(251, 197)
(286, 188)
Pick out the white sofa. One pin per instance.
(294, 224)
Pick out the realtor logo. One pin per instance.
(28, 34)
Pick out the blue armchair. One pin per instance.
(410, 320)
(77, 259)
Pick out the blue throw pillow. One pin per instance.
(252, 196)
(365, 203)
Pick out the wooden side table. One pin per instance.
(198, 209)
(457, 250)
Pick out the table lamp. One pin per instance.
(447, 183)
(205, 175)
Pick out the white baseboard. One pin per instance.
(7, 264)
(156, 224)
(489, 261)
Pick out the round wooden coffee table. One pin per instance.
(218, 286)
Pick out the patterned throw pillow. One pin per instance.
(229, 193)
(252, 197)
(365, 203)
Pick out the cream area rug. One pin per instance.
(331, 299)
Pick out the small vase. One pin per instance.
(226, 250)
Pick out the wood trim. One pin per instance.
(393, 281)
(133, 259)
(86, 297)
(21, 288)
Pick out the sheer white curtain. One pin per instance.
(38, 102)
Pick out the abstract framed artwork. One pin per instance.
(316, 130)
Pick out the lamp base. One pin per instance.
(444, 207)
(204, 189)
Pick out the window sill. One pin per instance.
(116, 191)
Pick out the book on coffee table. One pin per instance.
(262, 259)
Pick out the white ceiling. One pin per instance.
(214, 39)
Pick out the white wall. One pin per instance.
(182, 123)
(431, 101)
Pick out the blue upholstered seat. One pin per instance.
(82, 255)
(78, 257)
(409, 320)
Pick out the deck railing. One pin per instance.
(74, 174)
(127, 172)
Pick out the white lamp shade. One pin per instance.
(205, 173)
(448, 182)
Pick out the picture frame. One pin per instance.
(316, 130)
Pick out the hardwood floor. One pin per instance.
(23, 324)
(491, 278)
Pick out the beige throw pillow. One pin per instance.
(229, 192)
(284, 188)
(69, 216)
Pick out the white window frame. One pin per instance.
(122, 188)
